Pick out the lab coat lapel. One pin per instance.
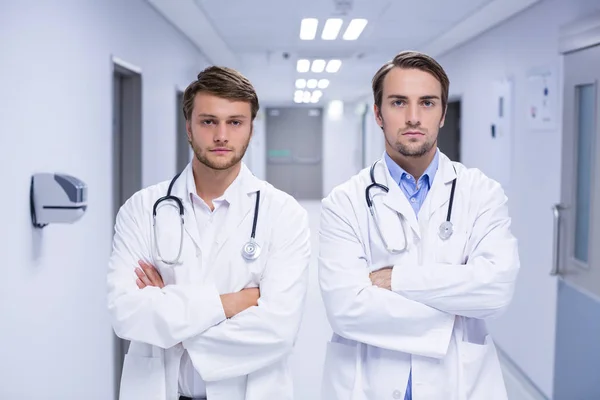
(181, 189)
(439, 194)
(395, 198)
(243, 201)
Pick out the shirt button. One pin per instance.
(397, 394)
(413, 200)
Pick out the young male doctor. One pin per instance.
(209, 283)
(408, 288)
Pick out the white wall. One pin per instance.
(56, 109)
(528, 41)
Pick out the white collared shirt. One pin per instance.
(209, 222)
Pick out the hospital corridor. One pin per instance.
(300, 200)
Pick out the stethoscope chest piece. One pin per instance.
(446, 230)
(251, 250)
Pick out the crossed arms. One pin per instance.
(412, 308)
(197, 315)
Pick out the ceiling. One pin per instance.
(261, 37)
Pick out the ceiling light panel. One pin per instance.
(354, 29)
(303, 66)
(318, 66)
(300, 83)
(333, 66)
(308, 28)
(331, 29)
(323, 83)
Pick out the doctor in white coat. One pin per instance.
(408, 290)
(210, 320)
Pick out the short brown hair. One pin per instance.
(411, 60)
(223, 82)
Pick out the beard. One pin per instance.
(410, 149)
(218, 163)
(413, 149)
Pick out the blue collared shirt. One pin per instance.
(415, 192)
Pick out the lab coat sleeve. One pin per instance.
(261, 335)
(483, 288)
(160, 317)
(360, 311)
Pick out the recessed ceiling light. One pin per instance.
(303, 65)
(355, 28)
(300, 83)
(318, 66)
(323, 83)
(333, 66)
(308, 28)
(332, 28)
(306, 97)
(311, 84)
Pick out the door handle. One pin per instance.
(556, 209)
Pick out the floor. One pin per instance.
(315, 332)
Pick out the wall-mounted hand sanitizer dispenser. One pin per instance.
(56, 198)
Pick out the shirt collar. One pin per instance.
(398, 173)
(229, 192)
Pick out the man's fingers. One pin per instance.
(142, 276)
(152, 274)
(140, 284)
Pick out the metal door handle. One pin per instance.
(556, 209)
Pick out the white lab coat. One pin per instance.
(442, 291)
(245, 357)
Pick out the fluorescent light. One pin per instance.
(297, 100)
(354, 29)
(306, 97)
(308, 28)
(333, 66)
(303, 65)
(311, 84)
(300, 83)
(316, 94)
(299, 93)
(323, 83)
(318, 66)
(332, 28)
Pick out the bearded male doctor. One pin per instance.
(208, 315)
(407, 289)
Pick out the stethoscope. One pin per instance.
(445, 231)
(250, 250)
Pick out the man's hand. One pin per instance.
(148, 276)
(235, 303)
(382, 278)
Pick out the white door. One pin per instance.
(577, 225)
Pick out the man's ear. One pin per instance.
(443, 118)
(378, 117)
(188, 131)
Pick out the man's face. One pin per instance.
(219, 130)
(411, 112)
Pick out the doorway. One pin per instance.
(127, 157)
(295, 151)
(577, 219)
(449, 134)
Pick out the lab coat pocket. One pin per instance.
(480, 371)
(339, 371)
(143, 378)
